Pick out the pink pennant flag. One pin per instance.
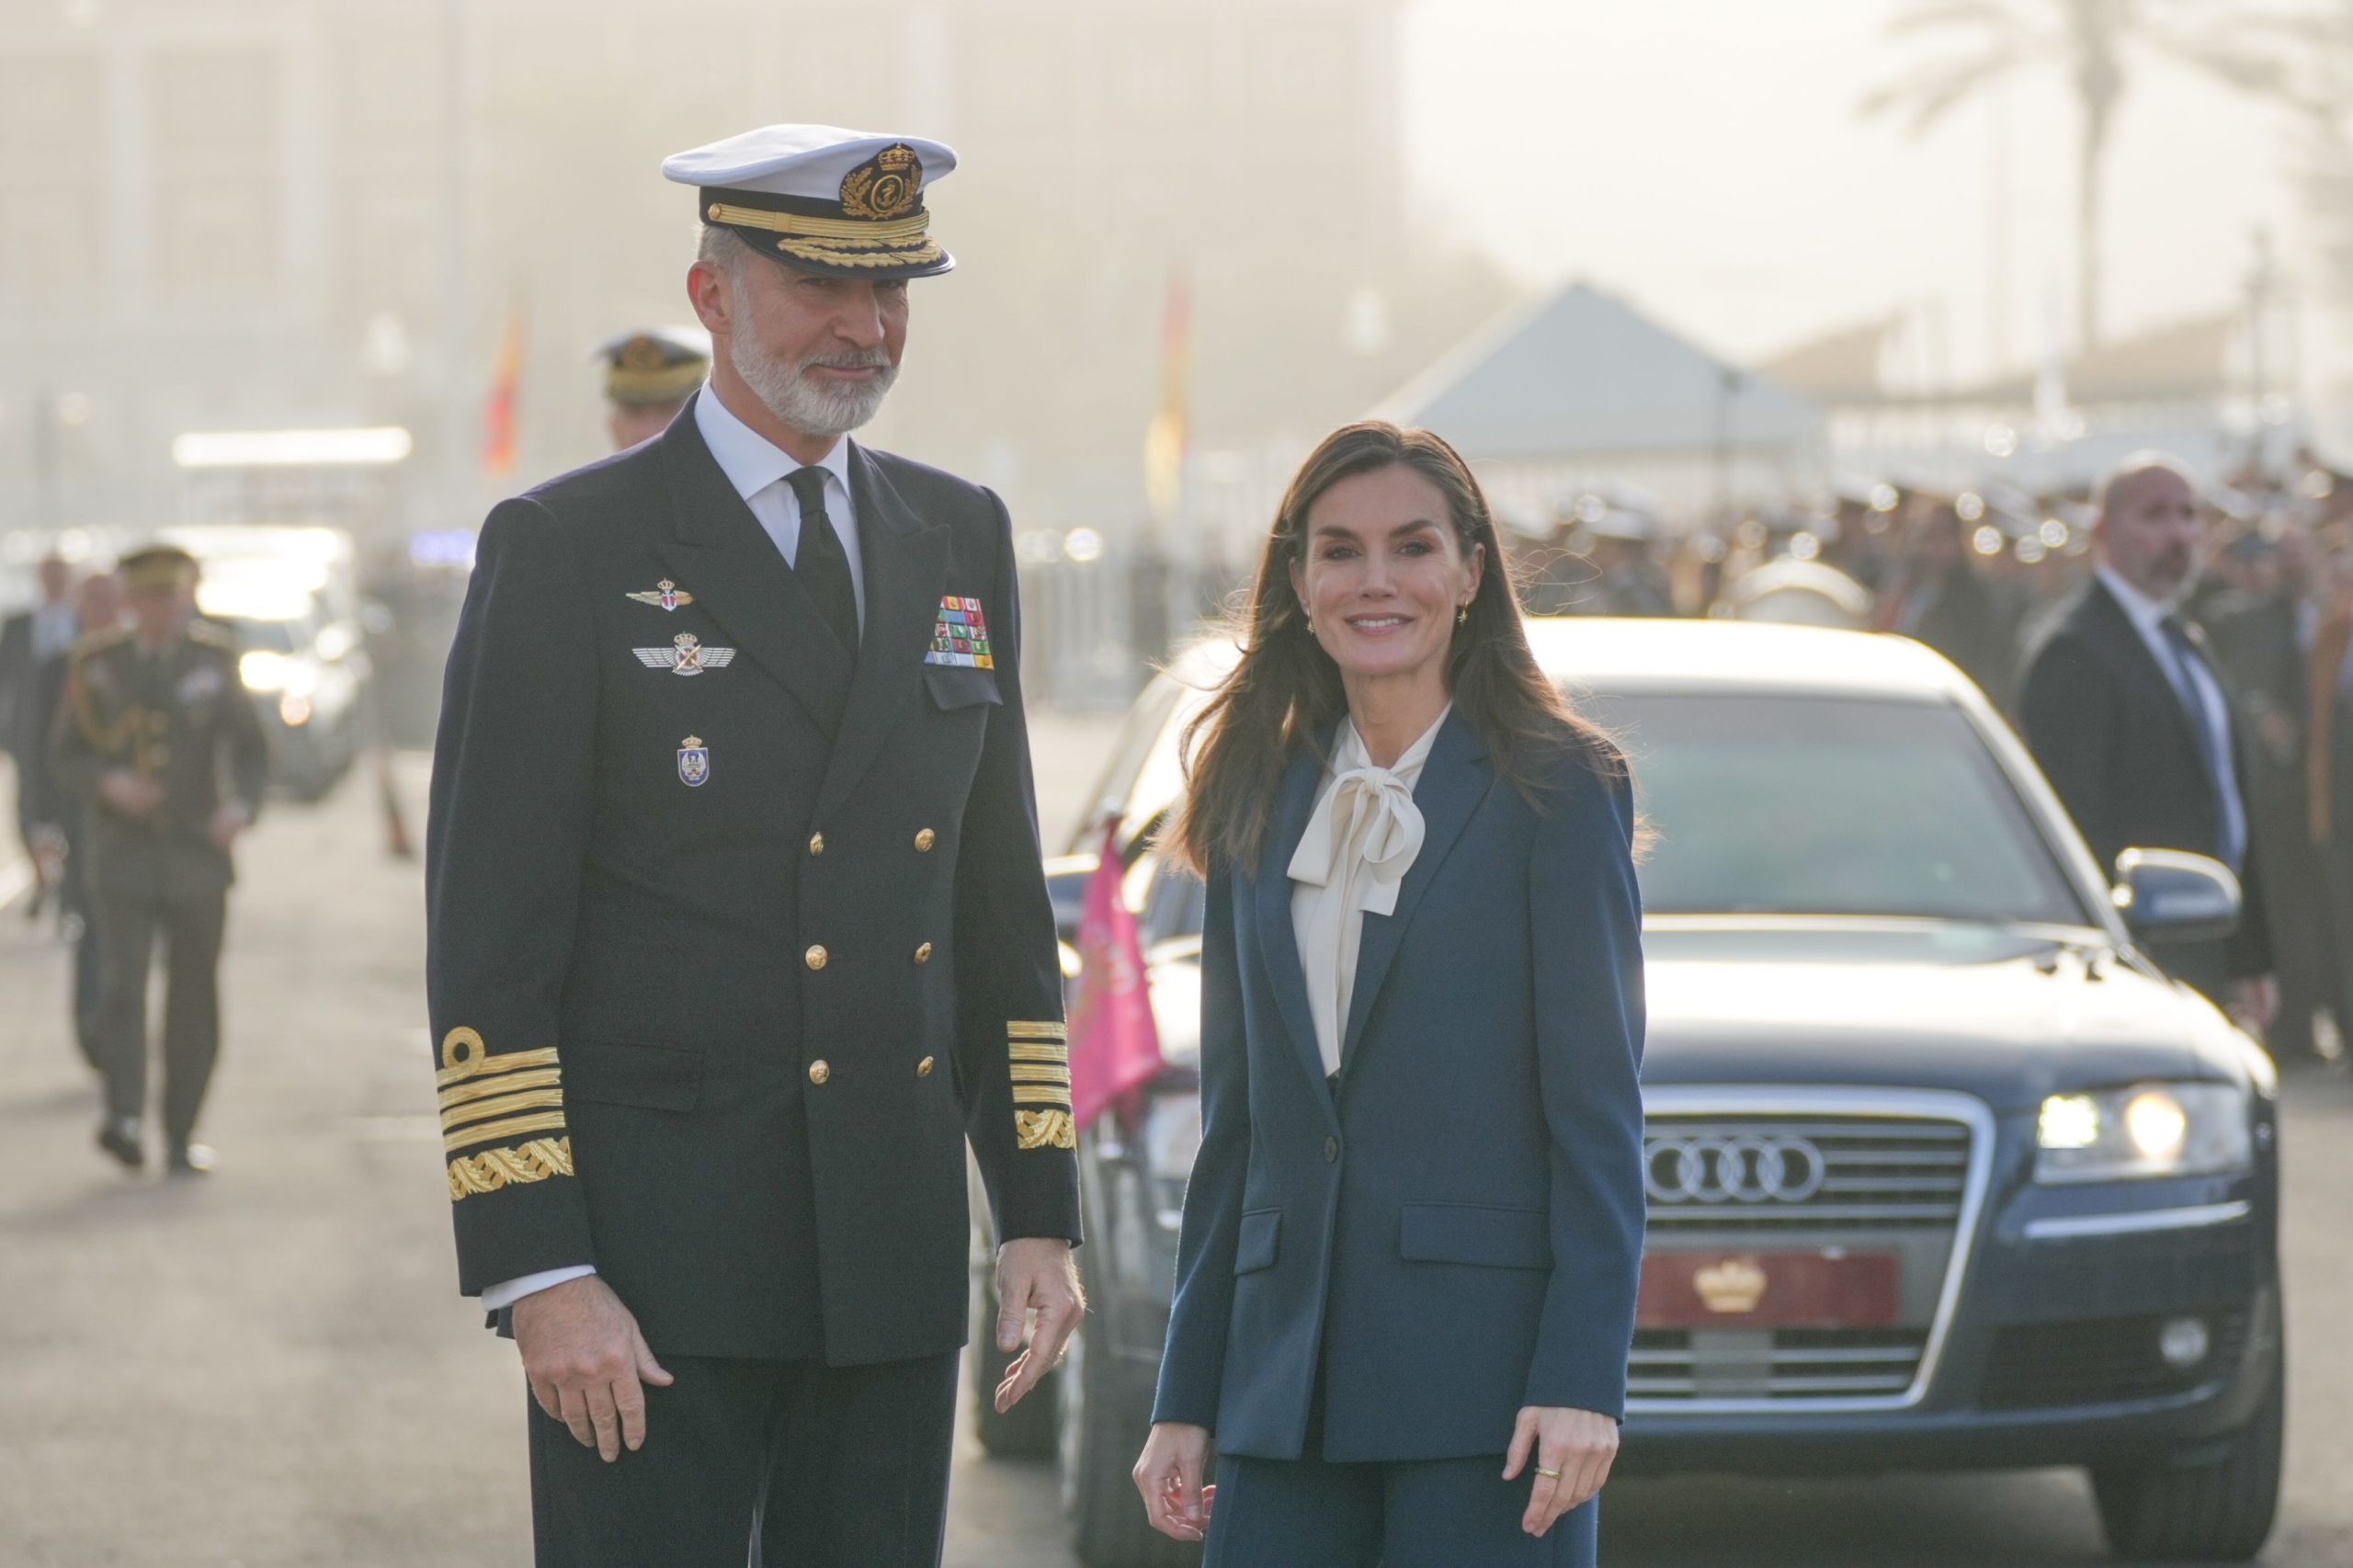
(1113, 1046)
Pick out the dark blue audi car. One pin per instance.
(1942, 1171)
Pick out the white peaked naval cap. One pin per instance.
(821, 199)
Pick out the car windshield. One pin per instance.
(1810, 806)
(1830, 806)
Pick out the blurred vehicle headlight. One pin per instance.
(1171, 1136)
(263, 669)
(2149, 1129)
(294, 709)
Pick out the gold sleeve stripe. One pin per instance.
(1027, 1075)
(511, 1083)
(1041, 1094)
(1039, 1053)
(505, 1105)
(1047, 1029)
(490, 1131)
(494, 1168)
(461, 1067)
(1044, 1130)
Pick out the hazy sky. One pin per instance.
(1705, 158)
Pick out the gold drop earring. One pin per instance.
(1463, 615)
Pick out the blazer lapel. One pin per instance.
(1277, 938)
(2134, 650)
(718, 552)
(1454, 781)
(906, 566)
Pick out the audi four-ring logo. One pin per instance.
(1767, 1169)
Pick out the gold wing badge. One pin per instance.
(665, 595)
(684, 657)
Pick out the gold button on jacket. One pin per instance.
(816, 844)
(922, 954)
(924, 840)
(816, 956)
(923, 1068)
(819, 1072)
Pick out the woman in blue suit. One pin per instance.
(1405, 1287)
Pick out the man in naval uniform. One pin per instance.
(157, 739)
(648, 376)
(739, 929)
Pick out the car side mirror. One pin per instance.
(2176, 896)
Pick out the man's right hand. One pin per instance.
(587, 1362)
(133, 794)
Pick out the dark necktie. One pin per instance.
(2186, 660)
(824, 566)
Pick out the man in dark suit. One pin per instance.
(1937, 598)
(28, 639)
(2133, 723)
(60, 819)
(739, 925)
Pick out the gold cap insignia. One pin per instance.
(886, 186)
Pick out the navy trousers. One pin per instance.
(832, 1467)
(1313, 1512)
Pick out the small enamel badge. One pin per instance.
(666, 595)
(684, 657)
(960, 636)
(694, 762)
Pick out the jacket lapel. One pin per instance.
(1277, 938)
(906, 566)
(2133, 649)
(1453, 782)
(718, 551)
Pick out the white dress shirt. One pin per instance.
(1357, 847)
(756, 468)
(2148, 617)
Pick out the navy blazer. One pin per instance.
(1458, 1233)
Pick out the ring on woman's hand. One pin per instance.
(1548, 1474)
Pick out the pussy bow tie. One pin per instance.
(1367, 815)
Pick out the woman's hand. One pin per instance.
(1169, 1475)
(1573, 1450)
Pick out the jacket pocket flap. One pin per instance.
(952, 686)
(1255, 1249)
(658, 1077)
(1478, 1233)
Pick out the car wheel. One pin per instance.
(1104, 1420)
(1027, 1431)
(2218, 1510)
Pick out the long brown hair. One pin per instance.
(1286, 689)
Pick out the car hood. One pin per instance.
(2006, 1015)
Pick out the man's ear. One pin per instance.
(708, 292)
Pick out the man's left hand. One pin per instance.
(1034, 1275)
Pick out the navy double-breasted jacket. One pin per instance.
(735, 938)
(1457, 1231)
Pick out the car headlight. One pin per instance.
(2148, 1130)
(262, 669)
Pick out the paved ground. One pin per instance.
(269, 1370)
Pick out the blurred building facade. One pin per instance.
(256, 214)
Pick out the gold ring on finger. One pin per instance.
(1548, 1474)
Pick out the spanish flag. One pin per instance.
(1165, 437)
(498, 408)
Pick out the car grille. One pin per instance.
(2095, 1360)
(1792, 1364)
(1876, 1172)
(1741, 1169)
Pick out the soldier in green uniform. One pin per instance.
(157, 735)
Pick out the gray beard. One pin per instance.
(802, 405)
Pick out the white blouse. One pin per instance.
(1356, 850)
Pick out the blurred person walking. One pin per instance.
(739, 927)
(60, 819)
(156, 738)
(648, 376)
(2123, 706)
(28, 639)
(1408, 1346)
(1937, 597)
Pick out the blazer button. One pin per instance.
(816, 844)
(923, 1068)
(819, 1072)
(922, 954)
(925, 839)
(1331, 1151)
(814, 957)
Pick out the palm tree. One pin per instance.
(2090, 41)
